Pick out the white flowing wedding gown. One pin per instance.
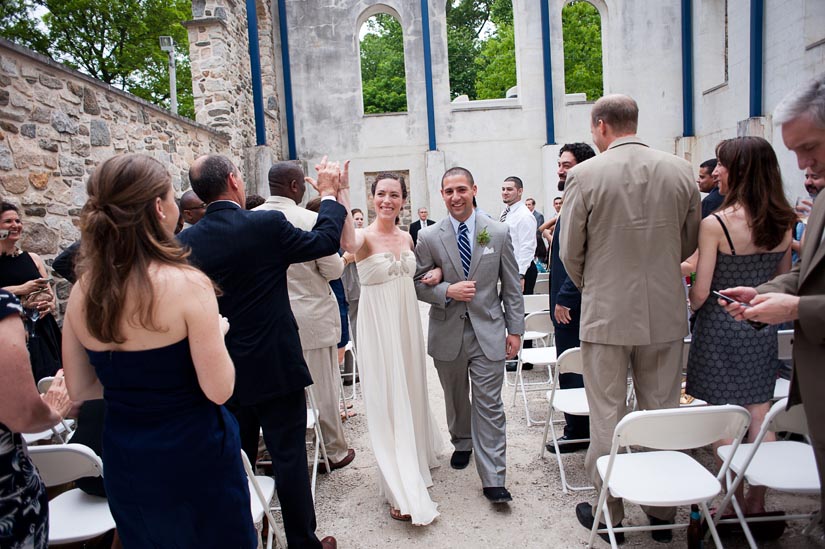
(392, 366)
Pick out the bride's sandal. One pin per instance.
(396, 514)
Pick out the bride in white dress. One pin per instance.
(392, 359)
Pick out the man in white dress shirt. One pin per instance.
(522, 225)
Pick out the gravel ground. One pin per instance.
(541, 515)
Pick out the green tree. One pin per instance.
(481, 49)
(496, 64)
(18, 24)
(116, 41)
(382, 66)
(581, 28)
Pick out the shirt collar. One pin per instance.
(470, 222)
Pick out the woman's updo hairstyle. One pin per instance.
(121, 234)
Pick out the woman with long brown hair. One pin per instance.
(746, 242)
(142, 330)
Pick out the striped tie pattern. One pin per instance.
(464, 248)
(503, 217)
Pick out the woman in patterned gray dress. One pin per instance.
(24, 508)
(745, 243)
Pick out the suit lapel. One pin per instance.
(448, 239)
(478, 249)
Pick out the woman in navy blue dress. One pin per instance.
(142, 329)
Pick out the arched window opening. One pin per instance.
(383, 76)
(481, 49)
(582, 31)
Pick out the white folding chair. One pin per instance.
(536, 302)
(74, 515)
(542, 286)
(666, 477)
(539, 328)
(533, 304)
(568, 401)
(314, 425)
(783, 465)
(785, 353)
(261, 492)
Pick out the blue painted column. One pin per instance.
(287, 104)
(550, 123)
(255, 67)
(428, 73)
(687, 69)
(757, 25)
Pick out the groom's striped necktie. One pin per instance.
(503, 217)
(464, 248)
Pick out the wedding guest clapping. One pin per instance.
(23, 502)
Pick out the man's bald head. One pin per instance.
(287, 179)
(192, 208)
(209, 176)
(618, 111)
(612, 117)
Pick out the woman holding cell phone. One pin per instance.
(745, 243)
(24, 275)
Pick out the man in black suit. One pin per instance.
(565, 308)
(247, 253)
(420, 224)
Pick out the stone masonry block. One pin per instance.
(99, 134)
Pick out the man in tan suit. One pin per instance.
(314, 307)
(800, 294)
(631, 217)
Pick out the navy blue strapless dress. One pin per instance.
(171, 457)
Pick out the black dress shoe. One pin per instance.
(460, 459)
(662, 536)
(566, 447)
(584, 512)
(497, 494)
(526, 366)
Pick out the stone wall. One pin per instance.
(57, 124)
(222, 77)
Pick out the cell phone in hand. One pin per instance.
(754, 323)
(728, 298)
(4, 234)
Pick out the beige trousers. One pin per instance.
(323, 366)
(656, 371)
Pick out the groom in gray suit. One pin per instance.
(469, 332)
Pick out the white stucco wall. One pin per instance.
(494, 139)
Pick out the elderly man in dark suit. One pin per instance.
(422, 222)
(247, 253)
(800, 294)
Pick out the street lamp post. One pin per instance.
(167, 44)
